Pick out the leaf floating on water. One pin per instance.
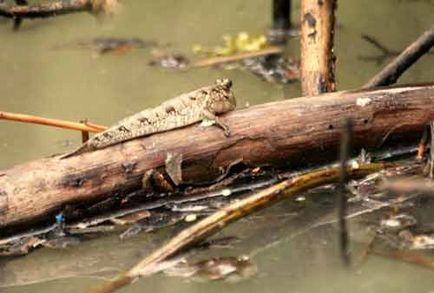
(231, 269)
(167, 59)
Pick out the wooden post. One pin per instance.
(281, 15)
(317, 58)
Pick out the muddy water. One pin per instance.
(43, 73)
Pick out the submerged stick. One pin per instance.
(345, 153)
(390, 74)
(230, 213)
(86, 126)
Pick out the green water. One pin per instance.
(72, 84)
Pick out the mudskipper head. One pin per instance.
(221, 98)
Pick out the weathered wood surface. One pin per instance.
(317, 63)
(292, 132)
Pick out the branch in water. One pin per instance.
(97, 7)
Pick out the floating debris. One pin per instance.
(397, 222)
(61, 242)
(168, 60)
(242, 42)
(231, 269)
(20, 247)
(190, 218)
(226, 192)
(253, 54)
(273, 68)
(416, 242)
(118, 45)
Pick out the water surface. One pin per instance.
(69, 83)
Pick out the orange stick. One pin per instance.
(52, 122)
(93, 125)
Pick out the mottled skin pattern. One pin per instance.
(185, 109)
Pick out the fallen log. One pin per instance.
(293, 133)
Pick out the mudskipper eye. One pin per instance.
(227, 83)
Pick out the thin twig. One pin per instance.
(52, 122)
(237, 57)
(390, 74)
(230, 213)
(346, 142)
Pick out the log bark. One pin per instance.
(293, 133)
(317, 62)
